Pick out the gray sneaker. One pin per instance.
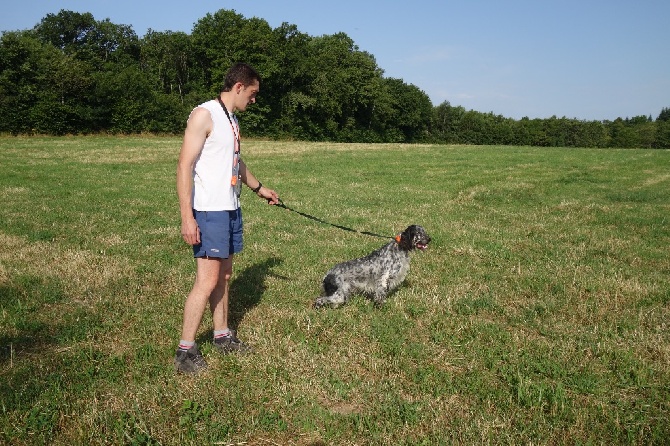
(189, 361)
(230, 344)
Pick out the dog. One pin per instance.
(376, 275)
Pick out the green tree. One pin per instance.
(174, 77)
(446, 123)
(662, 138)
(593, 134)
(63, 99)
(114, 43)
(76, 96)
(340, 89)
(621, 135)
(68, 31)
(166, 57)
(20, 57)
(89, 40)
(34, 96)
(664, 116)
(412, 110)
(285, 89)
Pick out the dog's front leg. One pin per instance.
(334, 300)
(380, 295)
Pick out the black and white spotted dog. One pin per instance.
(377, 275)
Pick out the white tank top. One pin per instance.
(212, 190)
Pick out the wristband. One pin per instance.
(258, 188)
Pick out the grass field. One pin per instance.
(538, 315)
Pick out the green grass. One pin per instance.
(539, 314)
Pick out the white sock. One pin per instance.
(218, 334)
(185, 345)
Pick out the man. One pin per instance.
(209, 175)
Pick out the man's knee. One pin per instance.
(227, 269)
(227, 274)
(209, 272)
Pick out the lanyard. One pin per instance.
(236, 133)
(235, 179)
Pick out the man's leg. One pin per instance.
(218, 299)
(188, 358)
(225, 340)
(206, 279)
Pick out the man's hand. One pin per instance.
(269, 194)
(190, 231)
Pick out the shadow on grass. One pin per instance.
(247, 289)
(20, 303)
(36, 367)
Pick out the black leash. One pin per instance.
(311, 217)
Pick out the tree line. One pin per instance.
(73, 74)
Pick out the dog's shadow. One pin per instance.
(247, 289)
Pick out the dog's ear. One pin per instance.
(407, 238)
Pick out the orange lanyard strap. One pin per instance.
(236, 134)
(235, 178)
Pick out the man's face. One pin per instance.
(246, 95)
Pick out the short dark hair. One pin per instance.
(240, 72)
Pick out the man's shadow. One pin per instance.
(246, 291)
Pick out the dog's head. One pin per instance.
(413, 237)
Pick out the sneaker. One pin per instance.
(189, 361)
(230, 344)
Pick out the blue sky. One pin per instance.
(584, 59)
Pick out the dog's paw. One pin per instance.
(322, 301)
(378, 303)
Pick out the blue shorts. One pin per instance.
(220, 233)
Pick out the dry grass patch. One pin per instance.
(81, 273)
